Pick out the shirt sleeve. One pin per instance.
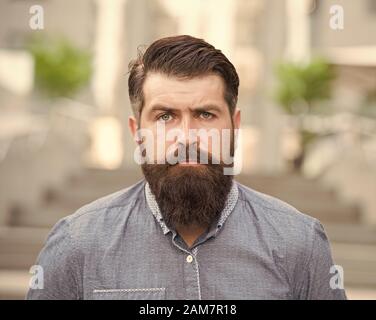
(318, 278)
(59, 264)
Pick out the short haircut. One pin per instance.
(183, 57)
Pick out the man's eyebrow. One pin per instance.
(208, 107)
(159, 107)
(203, 108)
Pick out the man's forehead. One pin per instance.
(160, 88)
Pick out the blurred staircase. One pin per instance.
(353, 244)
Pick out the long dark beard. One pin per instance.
(188, 195)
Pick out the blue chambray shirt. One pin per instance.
(118, 247)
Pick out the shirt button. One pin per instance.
(189, 259)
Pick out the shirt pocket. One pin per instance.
(130, 294)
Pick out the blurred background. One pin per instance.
(307, 95)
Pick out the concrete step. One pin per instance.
(120, 177)
(308, 196)
(351, 233)
(19, 246)
(358, 262)
(45, 216)
(14, 284)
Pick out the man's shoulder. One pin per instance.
(119, 200)
(274, 213)
(298, 240)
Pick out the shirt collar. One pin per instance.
(230, 203)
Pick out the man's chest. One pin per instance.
(167, 272)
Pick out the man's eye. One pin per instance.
(165, 117)
(206, 115)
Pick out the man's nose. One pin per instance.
(187, 136)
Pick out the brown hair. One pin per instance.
(184, 57)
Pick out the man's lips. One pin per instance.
(188, 163)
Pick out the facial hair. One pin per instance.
(189, 195)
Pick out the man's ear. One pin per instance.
(133, 126)
(236, 118)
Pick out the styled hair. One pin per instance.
(183, 57)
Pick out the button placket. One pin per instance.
(191, 280)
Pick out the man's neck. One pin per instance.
(190, 233)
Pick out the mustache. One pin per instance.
(189, 153)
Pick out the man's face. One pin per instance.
(184, 105)
(188, 192)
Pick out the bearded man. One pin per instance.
(188, 230)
